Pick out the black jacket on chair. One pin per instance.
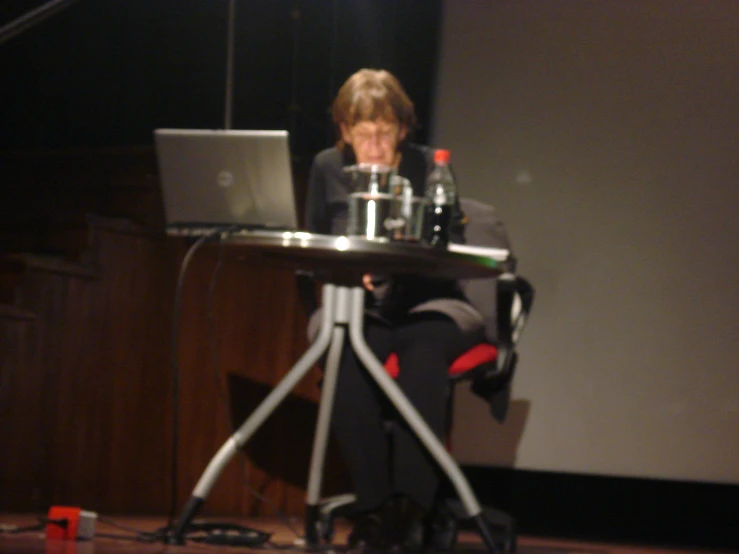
(494, 299)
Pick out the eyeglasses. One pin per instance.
(384, 136)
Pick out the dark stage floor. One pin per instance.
(111, 540)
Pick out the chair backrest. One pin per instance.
(484, 228)
(504, 303)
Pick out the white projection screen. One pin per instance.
(606, 134)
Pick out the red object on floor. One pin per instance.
(69, 523)
(63, 531)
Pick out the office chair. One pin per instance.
(505, 304)
(489, 367)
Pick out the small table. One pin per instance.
(340, 262)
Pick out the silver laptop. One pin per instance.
(225, 178)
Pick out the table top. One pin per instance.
(357, 256)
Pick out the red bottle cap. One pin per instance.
(441, 156)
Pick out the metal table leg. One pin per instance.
(255, 420)
(323, 424)
(341, 306)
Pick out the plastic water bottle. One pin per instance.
(441, 194)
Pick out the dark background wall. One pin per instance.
(107, 72)
(87, 276)
(80, 97)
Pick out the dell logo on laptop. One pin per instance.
(225, 179)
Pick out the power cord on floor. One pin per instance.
(44, 522)
(218, 533)
(40, 526)
(215, 361)
(217, 233)
(209, 533)
(111, 523)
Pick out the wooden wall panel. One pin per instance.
(252, 329)
(113, 340)
(86, 398)
(93, 345)
(18, 424)
(91, 400)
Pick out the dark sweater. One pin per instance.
(329, 187)
(327, 209)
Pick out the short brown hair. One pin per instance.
(372, 94)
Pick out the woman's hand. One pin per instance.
(367, 282)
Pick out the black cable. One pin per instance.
(138, 535)
(211, 533)
(14, 529)
(175, 361)
(212, 332)
(296, 17)
(136, 538)
(332, 69)
(222, 393)
(43, 521)
(111, 523)
(215, 530)
(163, 533)
(32, 18)
(284, 519)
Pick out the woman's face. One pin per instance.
(374, 142)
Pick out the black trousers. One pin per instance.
(382, 465)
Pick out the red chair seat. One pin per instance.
(474, 357)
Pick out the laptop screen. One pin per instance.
(226, 178)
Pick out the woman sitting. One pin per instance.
(427, 322)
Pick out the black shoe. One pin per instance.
(404, 524)
(368, 533)
(441, 529)
(414, 538)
